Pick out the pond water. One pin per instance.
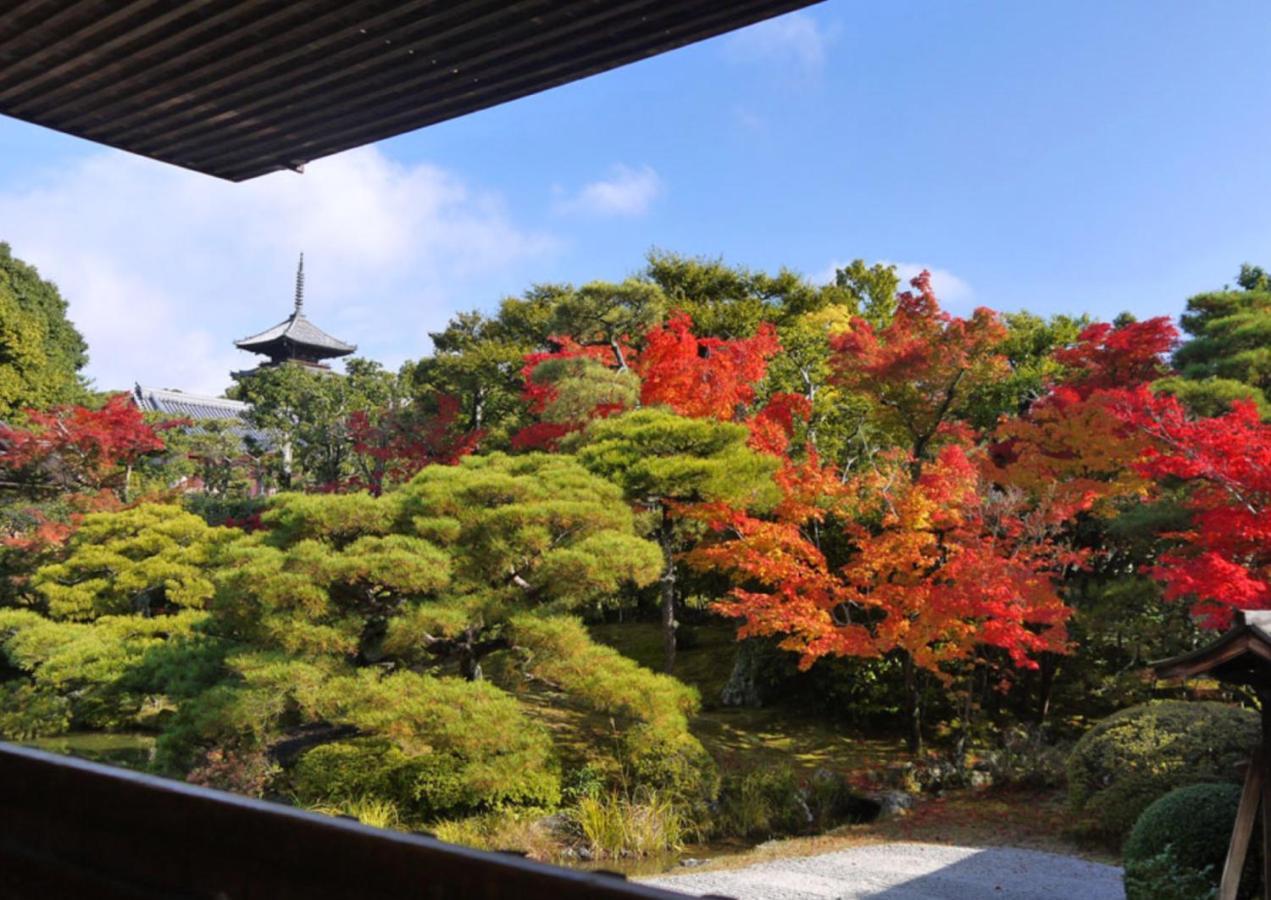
(641, 866)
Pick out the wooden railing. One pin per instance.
(71, 828)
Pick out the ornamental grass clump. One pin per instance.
(614, 825)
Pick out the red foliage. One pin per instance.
(696, 377)
(703, 377)
(399, 442)
(73, 448)
(915, 368)
(539, 395)
(773, 426)
(1109, 357)
(1224, 560)
(936, 565)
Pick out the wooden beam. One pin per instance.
(77, 829)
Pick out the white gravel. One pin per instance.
(911, 872)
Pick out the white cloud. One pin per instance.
(950, 289)
(627, 192)
(796, 38)
(164, 268)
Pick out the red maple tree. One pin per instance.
(703, 377)
(75, 449)
(395, 444)
(932, 566)
(1223, 561)
(697, 377)
(921, 365)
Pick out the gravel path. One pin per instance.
(911, 872)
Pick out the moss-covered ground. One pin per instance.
(1034, 819)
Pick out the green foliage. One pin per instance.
(41, 353)
(761, 803)
(1190, 826)
(307, 413)
(368, 810)
(536, 530)
(655, 455)
(143, 560)
(612, 314)
(1229, 353)
(1029, 343)
(92, 666)
(1212, 396)
(220, 509)
(448, 748)
(647, 713)
(1135, 756)
(28, 711)
(581, 385)
(1162, 878)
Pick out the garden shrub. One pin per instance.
(92, 667)
(1191, 827)
(771, 801)
(423, 787)
(653, 748)
(28, 711)
(1139, 754)
(761, 802)
(1161, 877)
(444, 747)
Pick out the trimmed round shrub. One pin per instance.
(1139, 754)
(1181, 839)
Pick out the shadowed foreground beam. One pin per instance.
(70, 828)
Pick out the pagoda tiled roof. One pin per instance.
(298, 330)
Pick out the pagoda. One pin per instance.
(295, 339)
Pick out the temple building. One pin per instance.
(295, 339)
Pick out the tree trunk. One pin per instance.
(1049, 666)
(741, 688)
(913, 705)
(665, 534)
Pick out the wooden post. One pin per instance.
(1246, 814)
(1263, 758)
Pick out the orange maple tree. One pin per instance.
(920, 554)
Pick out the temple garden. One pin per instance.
(707, 567)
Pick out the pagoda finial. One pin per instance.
(300, 286)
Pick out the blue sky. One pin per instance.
(1060, 157)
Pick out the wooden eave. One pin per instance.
(1240, 656)
(240, 88)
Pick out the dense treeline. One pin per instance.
(971, 521)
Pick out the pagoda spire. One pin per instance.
(300, 286)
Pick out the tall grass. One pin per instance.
(368, 810)
(615, 825)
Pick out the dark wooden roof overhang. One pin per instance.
(1240, 656)
(240, 88)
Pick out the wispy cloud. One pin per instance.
(164, 268)
(796, 38)
(626, 192)
(949, 288)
